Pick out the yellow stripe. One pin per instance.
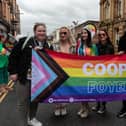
(77, 72)
(3, 95)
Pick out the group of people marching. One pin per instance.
(20, 65)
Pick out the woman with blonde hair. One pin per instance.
(65, 46)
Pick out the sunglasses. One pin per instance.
(65, 33)
(102, 35)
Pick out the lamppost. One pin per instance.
(75, 23)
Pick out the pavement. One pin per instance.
(9, 115)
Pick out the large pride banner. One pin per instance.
(97, 78)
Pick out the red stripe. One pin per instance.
(76, 57)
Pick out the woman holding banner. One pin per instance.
(122, 50)
(105, 47)
(85, 48)
(20, 71)
(65, 46)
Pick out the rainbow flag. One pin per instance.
(87, 78)
(97, 78)
(46, 76)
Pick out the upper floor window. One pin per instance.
(107, 9)
(119, 8)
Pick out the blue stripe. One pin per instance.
(84, 90)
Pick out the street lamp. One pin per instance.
(75, 23)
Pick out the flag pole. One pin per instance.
(3, 95)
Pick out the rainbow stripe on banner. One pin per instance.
(99, 78)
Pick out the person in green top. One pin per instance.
(3, 65)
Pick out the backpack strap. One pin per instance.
(25, 42)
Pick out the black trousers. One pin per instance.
(124, 105)
(100, 104)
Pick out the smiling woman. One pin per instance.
(20, 71)
(40, 31)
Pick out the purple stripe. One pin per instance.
(67, 99)
(42, 81)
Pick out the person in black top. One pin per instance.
(105, 47)
(122, 50)
(20, 69)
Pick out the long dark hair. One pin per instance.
(88, 41)
(108, 38)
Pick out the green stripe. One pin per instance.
(72, 81)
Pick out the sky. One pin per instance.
(56, 13)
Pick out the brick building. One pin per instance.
(9, 16)
(113, 18)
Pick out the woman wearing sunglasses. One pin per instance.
(65, 46)
(85, 47)
(105, 47)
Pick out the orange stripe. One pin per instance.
(67, 63)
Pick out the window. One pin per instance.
(119, 8)
(107, 9)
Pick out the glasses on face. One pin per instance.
(102, 34)
(65, 33)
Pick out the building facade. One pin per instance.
(9, 16)
(91, 25)
(113, 18)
